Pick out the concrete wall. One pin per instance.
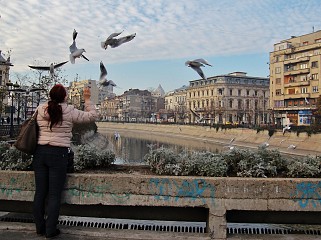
(218, 195)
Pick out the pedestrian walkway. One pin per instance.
(26, 231)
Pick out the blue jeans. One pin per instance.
(50, 168)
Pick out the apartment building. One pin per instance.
(232, 98)
(175, 105)
(295, 78)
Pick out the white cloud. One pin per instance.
(42, 30)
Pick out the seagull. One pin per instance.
(51, 68)
(74, 51)
(265, 145)
(291, 146)
(199, 118)
(197, 64)
(115, 42)
(103, 74)
(286, 128)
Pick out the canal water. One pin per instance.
(131, 150)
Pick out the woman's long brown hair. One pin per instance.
(57, 95)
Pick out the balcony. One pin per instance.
(296, 95)
(297, 71)
(296, 60)
(297, 84)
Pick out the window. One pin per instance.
(291, 91)
(314, 76)
(315, 89)
(255, 93)
(247, 92)
(231, 92)
(239, 92)
(314, 64)
(304, 90)
(239, 104)
(231, 103)
(277, 70)
(278, 81)
(303, 65)
(247, 103)
(317, 40)
(277, 92)
(305, 43)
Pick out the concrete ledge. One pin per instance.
(218, 195)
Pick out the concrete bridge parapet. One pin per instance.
(217, 195)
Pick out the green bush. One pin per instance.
(12, 159)
(87, 157)
(308, 166)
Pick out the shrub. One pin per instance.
(13, 159)
(88, 157)
(305, 167)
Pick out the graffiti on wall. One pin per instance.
(9, 189)
(166, 190)
(307, 193)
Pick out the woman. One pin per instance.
(55, 119)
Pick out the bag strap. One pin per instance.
(34, 115)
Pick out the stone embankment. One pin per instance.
(242, 137)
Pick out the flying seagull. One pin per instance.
(51, 68)
(103, 74)
(199, 119)
(115, 42)
(286, 128)
(74, 51)
(197, 64)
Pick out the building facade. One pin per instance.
(175, 105)
(295, 78)
(5, 65)
(229, 99)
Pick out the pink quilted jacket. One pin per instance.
(60, 135)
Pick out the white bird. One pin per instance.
(291, 146)
(115, 42)
(74, 51)
(286, 128)
(103, 74)
(265, 145)
(51, 68)
(306, 101)
(199, 119)
(197, 64)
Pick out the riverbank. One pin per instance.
(242, 137)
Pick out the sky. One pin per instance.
(232, 35)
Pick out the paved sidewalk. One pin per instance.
(26, 231)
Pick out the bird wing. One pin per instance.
(187, 63)
(60, 64)
(74, 35)
(103, 71)
(73, 47)
(84, 57)
(194, 113)
(112, 83)
(40, 67)
(201, 60)
(199, 71)
(122, 40)
(113, 35)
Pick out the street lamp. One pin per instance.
(11, 88)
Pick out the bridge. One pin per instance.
(215, 201)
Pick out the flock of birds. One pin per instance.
(112, 42)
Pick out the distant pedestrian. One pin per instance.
(2, 121)
(8, 120)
